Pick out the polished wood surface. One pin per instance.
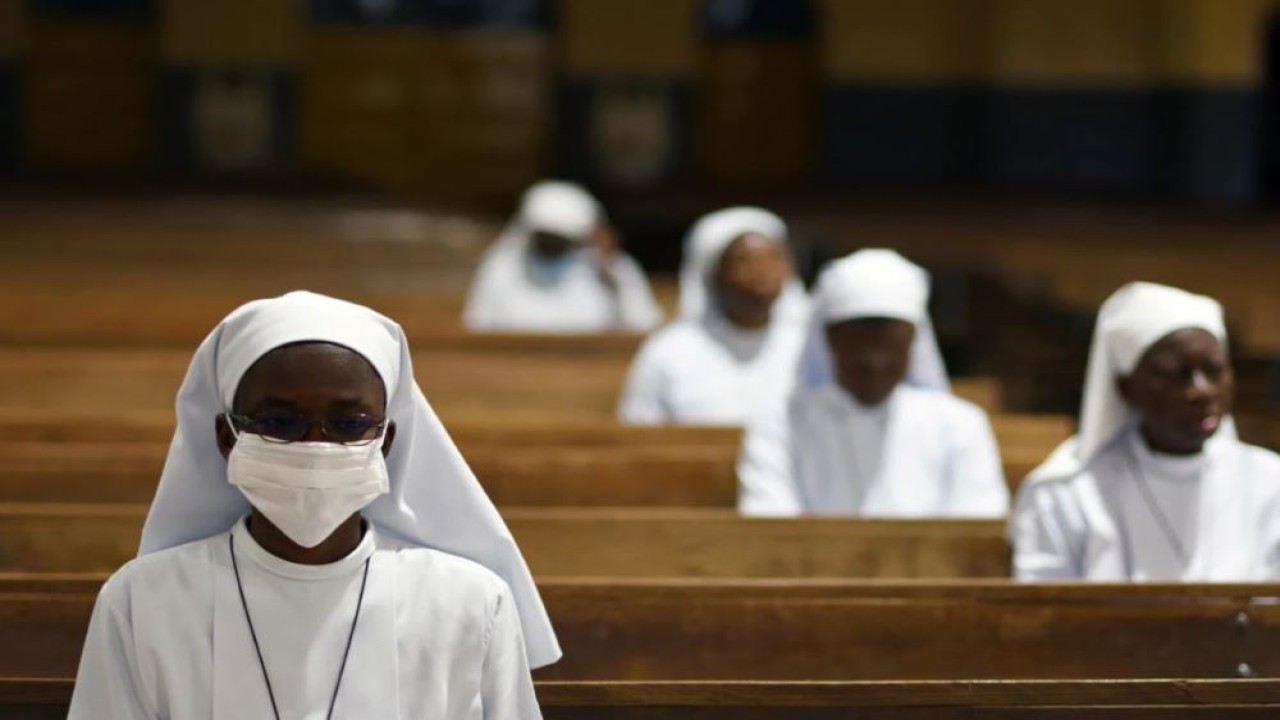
(47, 699)
(648, 629)
(64, 537)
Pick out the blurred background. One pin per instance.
(474, 99)
(162, 155)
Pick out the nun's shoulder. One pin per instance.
(947, 406)
(175, 569)
(427, 570)
(1263, 464)
(675, 340)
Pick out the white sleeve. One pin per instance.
(506, 687)
(1045, 540)
(642, 397)
(766, 478)
(978, 487)
(637, 310)
(107, 684)
(481, 311)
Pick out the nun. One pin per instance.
(742, 319)
(556, 269)
(1156, 485)
(871, 428)
(317, 546)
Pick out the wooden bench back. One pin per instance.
(821, 630)
(48, 537)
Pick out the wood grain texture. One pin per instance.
(560, 463)
(802, 631)
(85, 537)
(1108, 700)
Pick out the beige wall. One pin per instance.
(631, 37)
(230, 31)
(904, 41)
(1091, 43)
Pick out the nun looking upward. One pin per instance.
(556, 269)
(871, 428)
(317, 546)
(1156, 485)
(734, 347)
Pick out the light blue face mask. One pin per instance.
(551, 271)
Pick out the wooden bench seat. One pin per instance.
(667, 630)
(47, 699)
(48, 537)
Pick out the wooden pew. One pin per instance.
(49, 537)
(821, 630)
(553, 465)
(47, 699)
(832, 630)
(632, 468)
(466, 377)
(460, 382)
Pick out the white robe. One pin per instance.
(922, 453)
(1222, 508)
(438, 637)
(707, 372)
(507, 295)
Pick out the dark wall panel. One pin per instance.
(10, 113)
(1091, 141)
(92, 9)
(632, 134)
(228, 119)
(436, 13)
(903, 135)
(1225, 136)
(762, 19)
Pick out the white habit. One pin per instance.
(703, 369)
(515, 291)
(451, 620)
(437, 637)
(1106, 507)
(922, 453)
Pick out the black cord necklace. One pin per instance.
(275, 710)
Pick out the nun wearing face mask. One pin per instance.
(297, 562)
(734, 349)
(551, 272)
(1156, 485)
(871, 428)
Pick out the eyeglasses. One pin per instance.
(356, 429)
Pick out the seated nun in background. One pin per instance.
(1156, 485)
(871, 428)
(742, 321)
(317, 546)
(557, 268)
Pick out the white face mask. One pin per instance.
(307, 489)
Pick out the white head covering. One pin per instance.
(1133, 319)
(560, 208)
(709, 237)
(873, 283)
(434, 500)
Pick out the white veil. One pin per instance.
(872, 283)
(709, 237)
